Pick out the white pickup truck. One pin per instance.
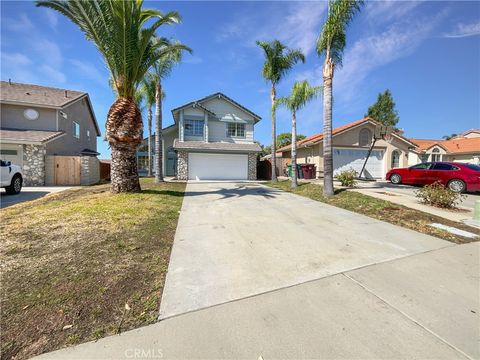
(11, 177)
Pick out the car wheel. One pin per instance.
(457, 185)
(15, 186)
(396, 179)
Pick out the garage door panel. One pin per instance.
(210, 166)
(346, 159)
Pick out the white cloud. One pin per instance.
(297, 27)
(20, 24)
(90, 71)
(17, 59)
(52, 74)
(386, 11)
(49, 51)
(52, 18)
(464, 30)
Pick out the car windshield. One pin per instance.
(473, 167)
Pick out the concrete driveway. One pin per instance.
(29, 193)
(259, 273)
(409, 191)
(235, 240)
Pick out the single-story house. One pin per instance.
(50, 133)
(351, 143)
(463, 148)
(212, 138)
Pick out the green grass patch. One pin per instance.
(72, 260)
(381, 210)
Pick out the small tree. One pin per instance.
(301, 94)
(449, 137)
(384, 109)
(285, 139)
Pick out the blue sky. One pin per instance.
(427, 53)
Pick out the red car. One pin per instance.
(459, 177)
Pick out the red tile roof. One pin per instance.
(453, 146)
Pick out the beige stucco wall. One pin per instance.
(350, 139)
(464, 158)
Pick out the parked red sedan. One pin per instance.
(459, 177)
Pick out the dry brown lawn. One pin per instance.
(71, 262)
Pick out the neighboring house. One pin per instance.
(463, 148)
(351, 143)
(211, 139)
(51, 133)
(142, 156)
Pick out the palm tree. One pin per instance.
(279, 59)
(147, 92)
(331, 43)
(124, 34)
(172, 54)
(301, 94)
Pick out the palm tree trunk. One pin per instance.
(124, 131)
(273, 96)
(327, 127)
(158, 137)
(149, 140)
(294, 150)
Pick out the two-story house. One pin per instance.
(39, 123)
(211, 139)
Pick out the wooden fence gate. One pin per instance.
(67, 170)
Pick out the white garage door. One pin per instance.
(12, 153)
(203, 166)
(346, 159)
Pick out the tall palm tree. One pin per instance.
(124, 34)
(172, 55)
(279, 59)
(331, 43)
(301, 94)
(147, 92)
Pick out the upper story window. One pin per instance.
(88, 135)
(235, 130)
(365, 137)
(193, 127)
(76, 130)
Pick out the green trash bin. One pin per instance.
(299, 172)
(290, 170)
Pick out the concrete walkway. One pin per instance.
(259, 272)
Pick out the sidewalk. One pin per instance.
(381, 311)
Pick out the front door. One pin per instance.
(171, 168)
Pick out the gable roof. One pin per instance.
(453, 146)
(43, 96)
(314, 139)
(37, 95)
(218, 95)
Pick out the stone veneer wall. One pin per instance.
(252, 166)
(89, 170)
(182, 165)
(34, 165)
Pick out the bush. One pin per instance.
(347, 178)
(438, 195)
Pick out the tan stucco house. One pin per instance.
(41, 124)
(462, 148)
(211, 139)
(351, 143)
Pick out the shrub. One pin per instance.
(347, 178)
(438, 195)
